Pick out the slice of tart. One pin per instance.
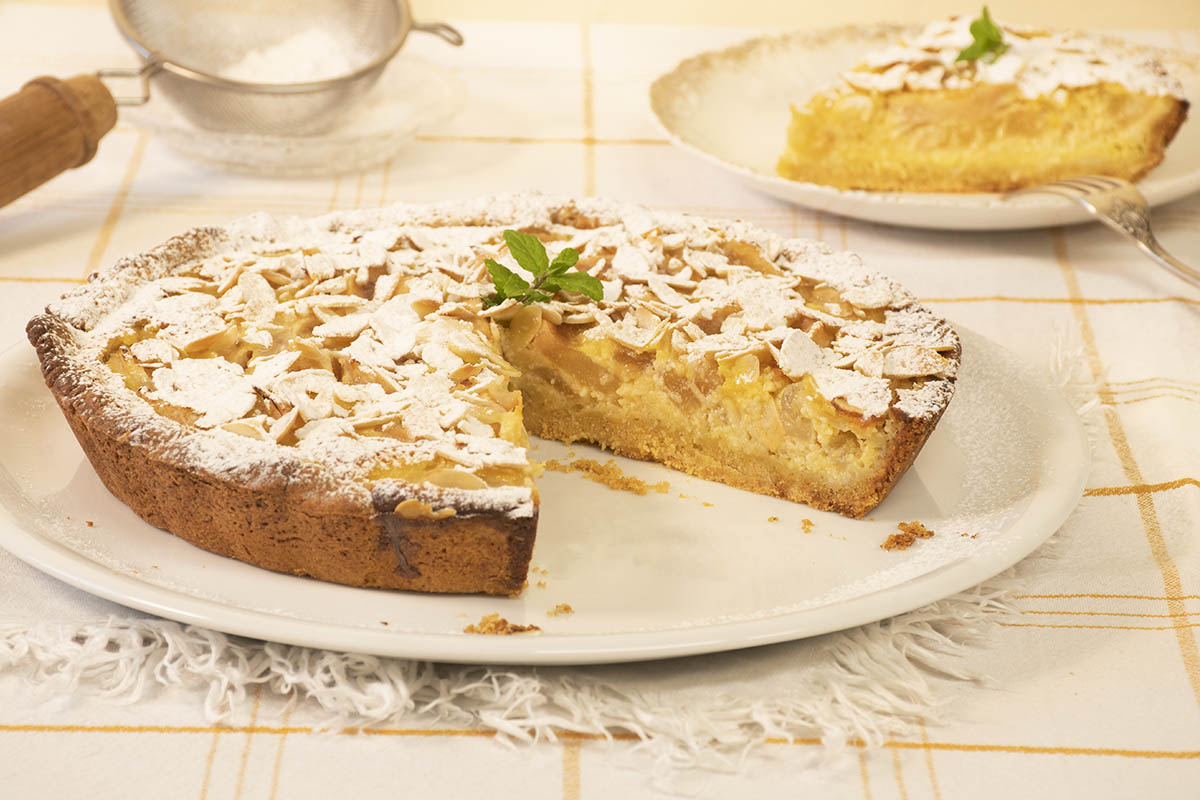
(925, 116)
(332, 398)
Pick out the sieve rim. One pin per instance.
(150, 56)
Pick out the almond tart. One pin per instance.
(331, 398)
(912, 117)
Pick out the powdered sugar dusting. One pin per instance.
(357, 339)
(1038, 62)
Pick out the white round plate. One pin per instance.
(410, 95)
(697, 569)
(732, 107)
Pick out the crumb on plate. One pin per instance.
(909, 533)
(608, 474)
(496, 625)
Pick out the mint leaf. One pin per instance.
(548, 277)
(562, 262)
(528, 250)
(989, 41)
(508, 284)
(583, 283)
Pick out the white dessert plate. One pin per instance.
(731, 107)
(411, 95)
(700, 568)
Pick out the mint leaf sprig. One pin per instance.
(989, 43)
(549, 277)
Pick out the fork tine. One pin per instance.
(1098, 183)
(1076, 185)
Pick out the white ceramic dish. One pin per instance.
(411, 95)
(731, 108)
(648, 577)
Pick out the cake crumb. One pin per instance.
(541, 584)
(496, 625)
(772, 519)
(561, 608)
(966, 535)
(706, 504)
(383, 622)
(608, 474)
(89, 523)
(909, 533)
(806, 525)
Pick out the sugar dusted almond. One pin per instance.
(911, 361)
(799, 355)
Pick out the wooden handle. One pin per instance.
(50, 126)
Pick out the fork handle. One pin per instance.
(1172, 264)
(48, 127)
(1150, 246)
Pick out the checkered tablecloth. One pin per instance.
(1088, 687)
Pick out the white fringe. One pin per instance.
(868, 683)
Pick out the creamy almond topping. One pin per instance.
(363, 332)
(1038, 62)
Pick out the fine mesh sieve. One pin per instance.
(188, 48)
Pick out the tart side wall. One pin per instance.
(279, 525)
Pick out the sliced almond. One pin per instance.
(524, 325)
(911, 361)
(799, 355)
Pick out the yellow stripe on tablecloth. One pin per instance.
(118, 204)
(589, 111)
(1050, 750)
(899, 775)
(1052, 613)
(862, 771)
(337, 187)
(208, 764)
(933, 781)
(241, 776)
(1140, 488)
(1174, 395)
(11, 279)
(1100, 595)
(1173, 627)
(569, 735)
(275, 770)
(571, 776)
(383, 183)
(1172, 382)
(1184, 633)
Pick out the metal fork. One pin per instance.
(1120, 206)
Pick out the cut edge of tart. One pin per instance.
(917, 117)
(329, 397)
